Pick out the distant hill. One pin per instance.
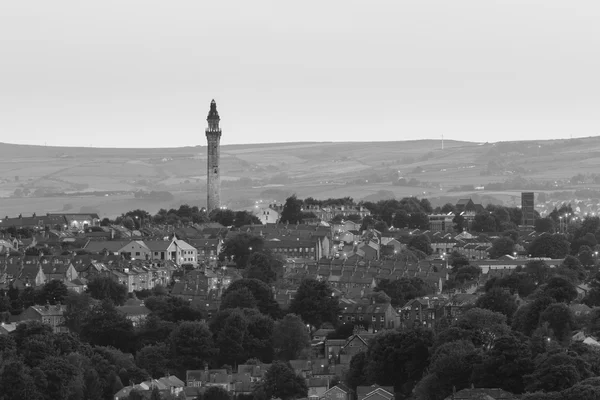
(46, 179)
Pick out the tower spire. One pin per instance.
(213, 117)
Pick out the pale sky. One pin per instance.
(142, 73)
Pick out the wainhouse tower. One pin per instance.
(213, 173)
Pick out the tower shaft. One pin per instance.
(213, 173)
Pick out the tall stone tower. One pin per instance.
(213, 174)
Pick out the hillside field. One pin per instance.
(54, 179)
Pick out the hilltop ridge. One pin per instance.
(45, 178)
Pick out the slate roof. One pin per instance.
(158, 245)
(94, 246)
(134, 310)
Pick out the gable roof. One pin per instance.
(366, 391)
(95, 246)
(340, 386)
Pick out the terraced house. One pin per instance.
(374, 316)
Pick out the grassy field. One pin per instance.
(320, 170)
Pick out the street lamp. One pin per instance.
(560, 224)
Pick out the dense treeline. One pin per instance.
(104, 351)
(517, 337)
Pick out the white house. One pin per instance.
(176, 250)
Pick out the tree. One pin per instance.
(553, 246)
(58, 373)
(527, 317)
(54, 292)
(224, 217)
(586, 256)
(542, 225)
(556, 372)
(381, 226)
(344, 331)
(16, 382)
(401, 219)
(280, 381)
(571, 263)
(153, 331)
(538, 270)
(502, 246)
(421, 243)
(451, 367)
(519, 283)
(290, 337)
(261, 292)
(263, 266)
(505, 365)
(230, 336)
(459, 223)
(560, 319)
(239, 247)
(155, 394)
(103, 288)
(356, 375)
(581, 391)
(315, 303)
(154, 359)
(486, 326)
(259, 337)
(484, 222)
(559, 288)
(418, 220)
(592, 298)
(292, 211)
(513, 234)
(402, 290)
(105, 326)
(467, 273)
(380, 297)
(191, 345)
(448, 208)
(457, 260)
(241, 298)
(398, 358)
(216, 393)
(77, 307)
(498, 300)
(28, 329)
(8, 348)
(128, 223)
(542, 396)
(174, 309)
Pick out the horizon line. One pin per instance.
(303, 142)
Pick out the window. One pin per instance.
(137, 253)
